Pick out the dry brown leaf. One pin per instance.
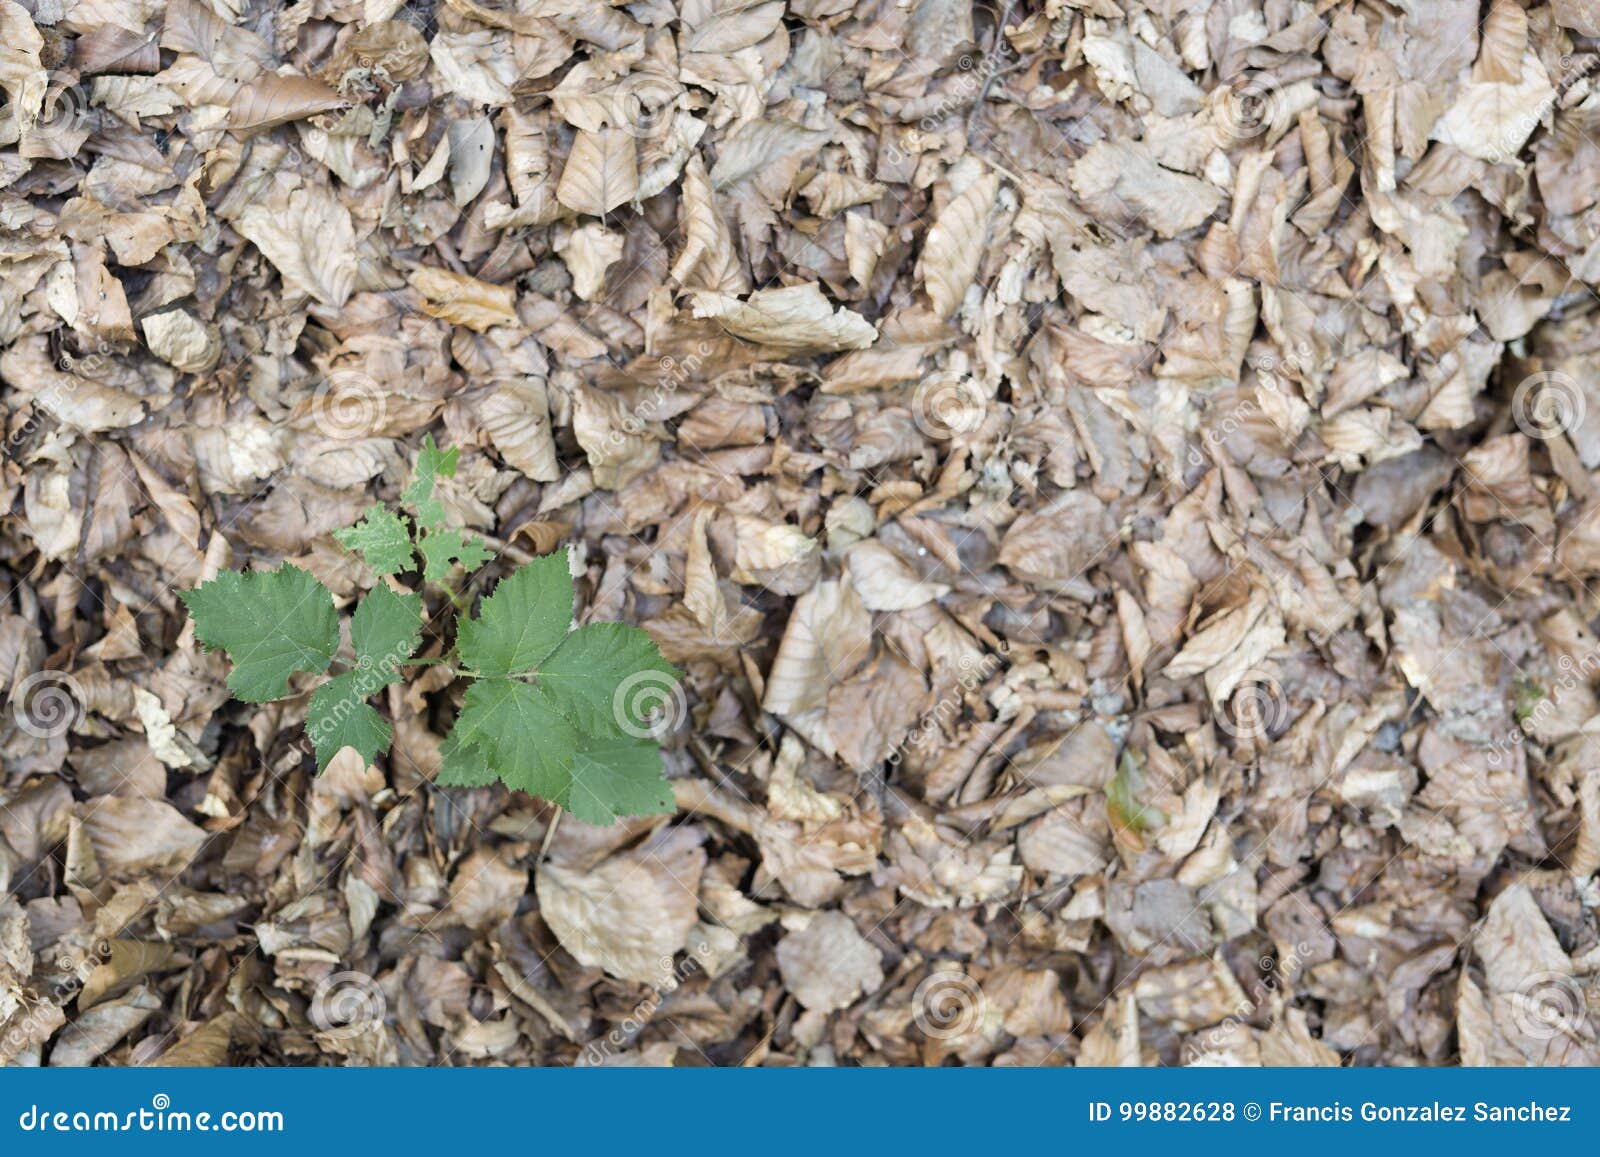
(308, 235)
(274, 100)
(797, 318)
(464, 300)
(601, 172)
(632, 913)
(955, 244)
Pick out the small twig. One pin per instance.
(975, 113)
(515, 553)
(550, 834)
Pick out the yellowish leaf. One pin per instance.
(463, 300)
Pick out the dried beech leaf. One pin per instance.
(955, 244)
(601, 172)
(274, 100)
(463, 300)
(796, 318)
(308, 235)
(633, 912)
(1490, 120)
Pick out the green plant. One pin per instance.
(568, 715)
(1528, 696)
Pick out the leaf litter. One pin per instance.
(1118, 480)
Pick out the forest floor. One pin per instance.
(1119, 479)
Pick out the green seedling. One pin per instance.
(572, 716)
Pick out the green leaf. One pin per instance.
(617, 777)
(271, 624)
(382, 541)
(441, 548)
(1123, 805)
(509, 730)
(339, 716)
(462, 764)
(521, 736)
(385, 630)
(432, 463)
(522, 621)
(610, 679)
(581, 732)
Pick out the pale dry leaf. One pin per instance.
(864, 240)
(601, 172)
(139, 835)
(796, 318)
(725, 26)
(828, 636)
(516, 417)
(885, 582)
(828, 964)
(1491, 120)
(633, 912)
(182, 340)
(309, 237)
(955, 244)
(589, 251)
(618, 445)
(464, 300)
(775, 555)
(1503, 44)
(22, 73)
(708, 260)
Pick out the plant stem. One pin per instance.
(550, 833)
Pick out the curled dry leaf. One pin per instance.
(955, 244)
(798, 319)
(463, 300)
